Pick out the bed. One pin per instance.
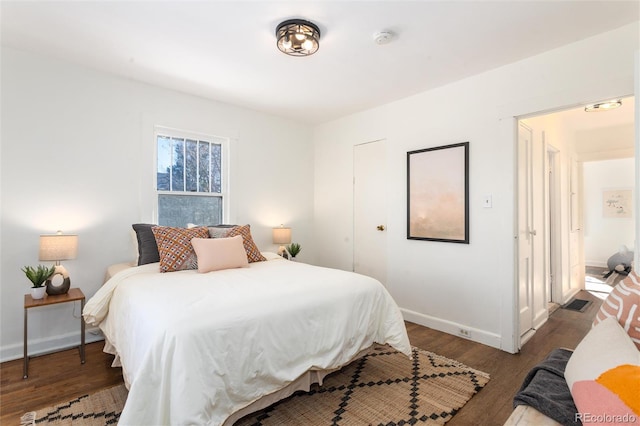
(208, 348)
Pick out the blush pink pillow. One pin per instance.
(215, 254)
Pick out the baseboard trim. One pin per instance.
(541, 318)
(450, 327)
(50, 344)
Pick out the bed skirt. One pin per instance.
(302, 383)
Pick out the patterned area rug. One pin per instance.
(101, 408)
(382, 388)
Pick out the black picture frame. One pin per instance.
(438, 194)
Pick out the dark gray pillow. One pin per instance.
(147, 246)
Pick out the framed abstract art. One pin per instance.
(438, 194)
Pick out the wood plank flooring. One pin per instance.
(59, 377)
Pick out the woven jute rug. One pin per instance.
(382, 388)
(100, 408)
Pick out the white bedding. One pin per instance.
(196, 348)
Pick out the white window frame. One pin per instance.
(225, 143)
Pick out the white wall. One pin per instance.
(603, 236)
(447, 286)
(78, 155)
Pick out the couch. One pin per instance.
(599, 381)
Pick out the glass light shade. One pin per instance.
(603, 106)
(297, 37)
(281, 235)
(307, 45)
(58, 247)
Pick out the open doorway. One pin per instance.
(565, 144)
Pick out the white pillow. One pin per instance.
(605, 346)
(603, 375)
(215, 254)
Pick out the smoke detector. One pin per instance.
(383, 37)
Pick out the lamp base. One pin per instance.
(63, 288)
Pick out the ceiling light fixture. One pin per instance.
(297, 37)
(603, 106)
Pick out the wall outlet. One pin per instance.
(464, 332)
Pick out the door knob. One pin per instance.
(533, 232)
(380, 227)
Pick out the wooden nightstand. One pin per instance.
(73, 295)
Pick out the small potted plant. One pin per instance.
(293, 249)
(38, 276)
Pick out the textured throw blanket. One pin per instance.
(545, 389)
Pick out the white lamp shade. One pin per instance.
(281, 235)
(58, 247)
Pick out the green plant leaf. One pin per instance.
(294, 249)
(39, 274)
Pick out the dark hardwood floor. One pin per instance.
(493, 404)
(59, 377)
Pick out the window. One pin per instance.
(190, 178)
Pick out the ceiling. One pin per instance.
(226, 50)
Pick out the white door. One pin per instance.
(539, 213)
(553, 241)
(525, 237)
(370, 210)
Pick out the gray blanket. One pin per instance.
(545, 389)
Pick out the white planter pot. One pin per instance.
(38, 292)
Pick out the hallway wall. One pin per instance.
(604, 235)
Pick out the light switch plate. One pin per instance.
(487, 201)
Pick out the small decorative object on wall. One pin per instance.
(438, 194)
(617, 203)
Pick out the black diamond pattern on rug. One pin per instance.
(74, 411)
(383, 388)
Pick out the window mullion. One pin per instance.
(184, 165)
(171, 164)
(197, 166)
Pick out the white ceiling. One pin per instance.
(226, 50)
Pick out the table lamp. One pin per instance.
(281, 236)
(58, 247)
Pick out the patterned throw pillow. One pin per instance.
(623, 303)
(219, 231)
(253, 253)
(175, 249)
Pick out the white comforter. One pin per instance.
(195, 348)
